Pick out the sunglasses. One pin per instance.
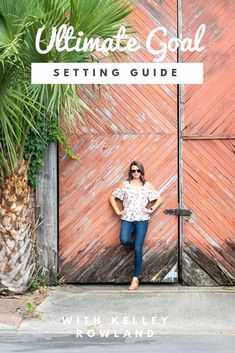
(135, 171)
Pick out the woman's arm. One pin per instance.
(157, 203)
(113, 202)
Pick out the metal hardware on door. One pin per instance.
(179, 212)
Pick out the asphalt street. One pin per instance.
(24, 343)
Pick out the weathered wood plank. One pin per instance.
(46, 212)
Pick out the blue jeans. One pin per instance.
(140, 230)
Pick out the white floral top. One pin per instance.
(135, 200)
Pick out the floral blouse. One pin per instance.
(135, 200)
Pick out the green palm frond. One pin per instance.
(17, 113)
(20, 101)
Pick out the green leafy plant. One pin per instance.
(38, 282)
(37, 142)
(29, 307)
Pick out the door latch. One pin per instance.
(179, 212)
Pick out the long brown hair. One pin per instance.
(141, 168)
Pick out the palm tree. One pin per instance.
(22, 103)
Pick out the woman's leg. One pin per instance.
(125, 233)
(140, 232)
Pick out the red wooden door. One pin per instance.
(130, 122)
(208, 256)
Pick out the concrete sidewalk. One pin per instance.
(153, 309)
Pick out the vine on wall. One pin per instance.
(37, 143)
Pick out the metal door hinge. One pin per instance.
(178, 212)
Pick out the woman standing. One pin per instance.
(135, 193)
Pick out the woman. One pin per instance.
(135, 193)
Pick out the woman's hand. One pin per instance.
(148, 210)
(120, 213)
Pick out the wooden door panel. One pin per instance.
(208, 149)
(128, 122)
(90, 250)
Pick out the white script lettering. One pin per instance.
(62, 38)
